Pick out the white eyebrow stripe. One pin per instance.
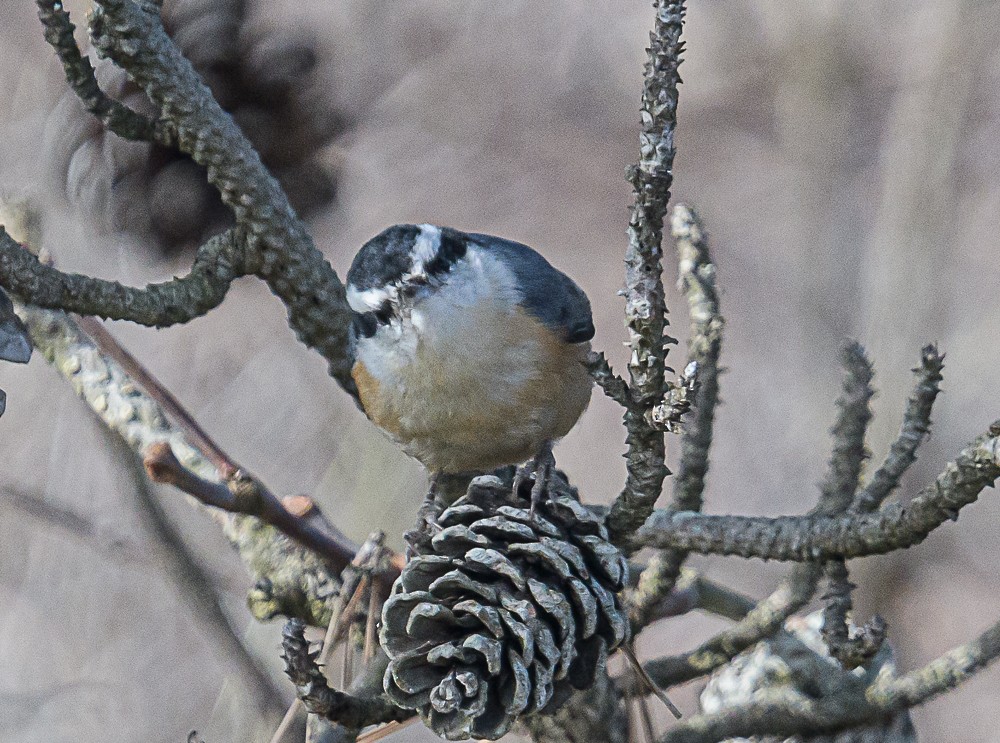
(368, 300)
(425, 248)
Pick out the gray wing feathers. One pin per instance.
(547, 293)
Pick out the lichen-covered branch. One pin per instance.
(290, 579)
(804, 538)
(697, 280)
(351, 711)
(80, 75)
(645, 304)
(916, 426)
(938, 676)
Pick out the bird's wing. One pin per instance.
(546, 292)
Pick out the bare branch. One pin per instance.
(291, 579)
(282, 252)
(845, 707)
(938, 676)
(645, 306)
(242, 493)
(803, 538)
(195, 588)
(117, 117)
(697, 280)
(219, 261)
(350, 711)
(763, 620)
(838, 489)
(916, 426)
(614, 386)
(849, 451)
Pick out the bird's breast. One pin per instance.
(472, 389)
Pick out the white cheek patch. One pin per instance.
(368, 300)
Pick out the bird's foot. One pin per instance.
(418, 539)
(538, 469)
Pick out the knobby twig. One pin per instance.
(838, 488)
(645, 306)
(697, 280)
(916, 426)
(80, 75)
(768, 617)
(763, 620)
(802, 538)
(350, 711)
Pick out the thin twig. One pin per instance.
(916, 426)
(838, 490)
(243, 494)
(766, 618)
(194, 587)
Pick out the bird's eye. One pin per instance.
(383, 314)
(364, 324)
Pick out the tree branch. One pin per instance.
(916, 426)
(281, 250)
(645, 305)
(218, 262)
(804, 538)
(291, 579)
(763, 620)
(80, 75)
(350, 711)
(697, 280)
(774, 714)
(838, 489)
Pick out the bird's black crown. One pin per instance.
(385, 258)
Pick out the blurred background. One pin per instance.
(844, 154)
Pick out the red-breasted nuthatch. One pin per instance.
(469, 349)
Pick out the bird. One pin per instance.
(469, 350)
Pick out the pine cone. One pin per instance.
(507, 614)
(764, 672)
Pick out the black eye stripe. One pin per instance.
(452, 248)
(364, 324)
(383, 314)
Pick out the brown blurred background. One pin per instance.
(845, 155)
